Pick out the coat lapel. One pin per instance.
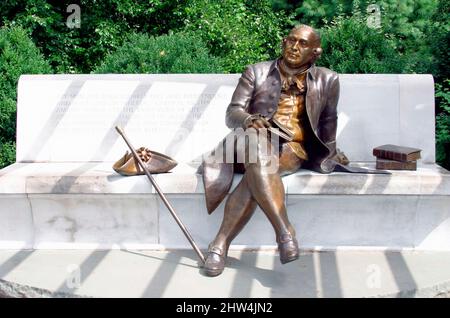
(312, 107)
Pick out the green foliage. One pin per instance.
(46, 24)
(406, 18)
(317, 12)
(105, 24)
(443, 124)
(175, 53)
(18, 55)
(407, 22)
(350, 46)
(239, 32)
(438, 36)
(7, 153)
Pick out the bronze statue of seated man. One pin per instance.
(303, 98)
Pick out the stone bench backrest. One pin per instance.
(63, 118)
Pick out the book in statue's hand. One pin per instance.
(280, 130)
(398, 153)
(386, 164)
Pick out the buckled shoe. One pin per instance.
(215, 261)
(288, 247)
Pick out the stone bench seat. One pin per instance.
(63, 193)
(99, 178)
(88, 205)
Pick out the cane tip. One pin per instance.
(119, 130)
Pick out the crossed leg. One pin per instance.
(259, 186)
(239, 208)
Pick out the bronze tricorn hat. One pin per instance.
(156, 163)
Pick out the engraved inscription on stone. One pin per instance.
(73, 119)
(82, 111)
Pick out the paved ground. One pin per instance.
(121, 273)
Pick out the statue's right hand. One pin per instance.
(258, 123)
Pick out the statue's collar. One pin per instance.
(311, 71)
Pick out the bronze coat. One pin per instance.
(258, 92)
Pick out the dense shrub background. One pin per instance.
(155, 36)
(105, 24)
(348, 50)
(175, 53)
(240, 32)
(443, 124)
(18, 55)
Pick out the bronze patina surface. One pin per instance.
(303, 98)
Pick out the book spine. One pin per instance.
(396, 165)
(390, 155)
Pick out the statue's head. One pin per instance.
(301, 47)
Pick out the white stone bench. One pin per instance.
(63, 193)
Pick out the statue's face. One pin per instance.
(298, 47)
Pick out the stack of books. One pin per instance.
(392, 157)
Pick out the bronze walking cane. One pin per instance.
(163, 197)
